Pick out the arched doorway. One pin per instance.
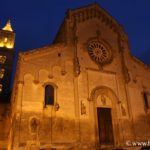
(105, 113)
(104, 121)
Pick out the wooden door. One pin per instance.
(105, 128)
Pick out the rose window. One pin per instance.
(99, 53)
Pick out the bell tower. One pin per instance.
(7, 40)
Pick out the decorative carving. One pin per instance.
(83, 108)
(76, 66)
(126, 75)
(124, 68)
(94, 11)
(76, 60)
(99, 53)
(103, 90)
(103, 99)
(56, 107)
(34, 125)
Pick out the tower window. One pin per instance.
(1, 86)
(49, 95)
(146, 100)
(2, 59)
(5, 40)
(2, 71)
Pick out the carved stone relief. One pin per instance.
(103, 100)
(34, 125)
(126, 75)
(76, 66)
(83, 108)
(33, 143)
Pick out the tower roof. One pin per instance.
(8, 27)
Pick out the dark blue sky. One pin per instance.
(36, 22)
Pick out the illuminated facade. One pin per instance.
(84, 92)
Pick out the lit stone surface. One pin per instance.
(84, 90)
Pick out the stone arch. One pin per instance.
(103, 90)
(28, 88)
(28, 78)
(114, 107)
(34, 123)
(55, 90)
(50, 83)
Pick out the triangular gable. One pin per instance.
(76, 16)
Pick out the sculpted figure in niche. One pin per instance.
(83, 108)
(103, 99)
(34, 123)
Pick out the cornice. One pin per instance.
(40, 51)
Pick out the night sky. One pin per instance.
(36, 22)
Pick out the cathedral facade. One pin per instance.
(84, 92)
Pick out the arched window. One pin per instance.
(49, 95)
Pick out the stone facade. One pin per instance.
(91, 69)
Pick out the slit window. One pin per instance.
(146, 100)
(1, 86)
(2, 73)
(2, 59)
(49, 95)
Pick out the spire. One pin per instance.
(8, 27)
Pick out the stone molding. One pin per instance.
(98, 89)
(94, 11)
